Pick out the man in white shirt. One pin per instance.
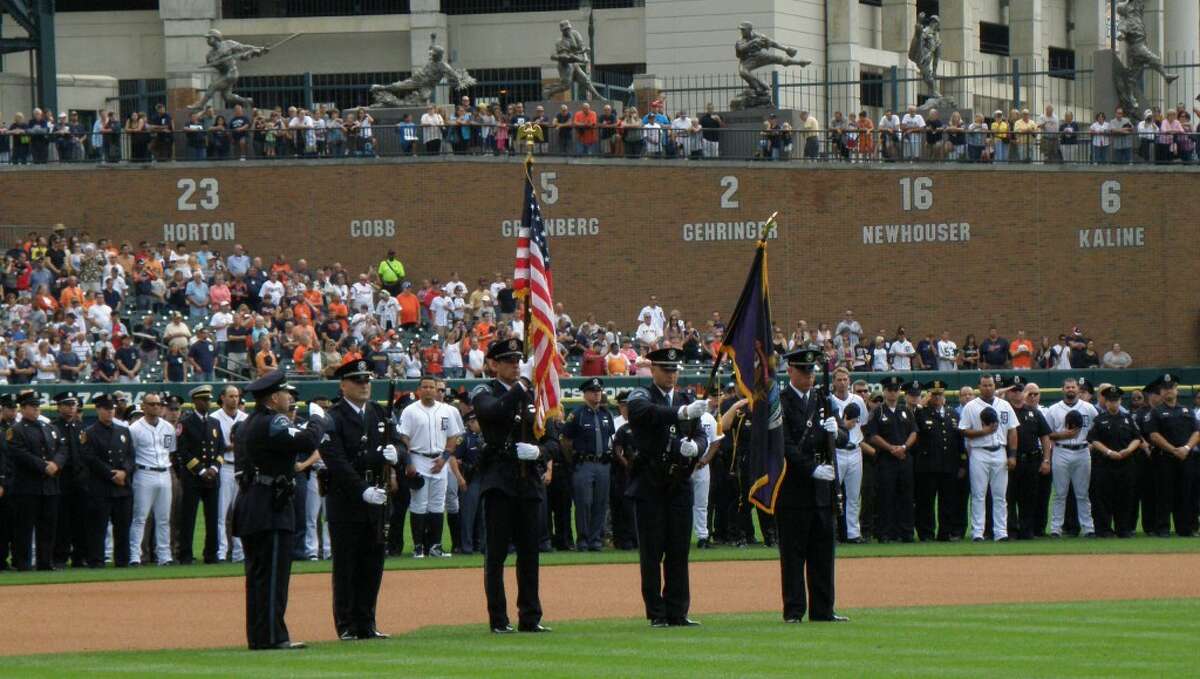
(947, 353)
(657, 318)
(99, 314)
(902, 352)
(238, 263)
(1071, 460)
(220, 322)
(912, 126)
(153, 443)
(647, 333)
(362, 293)
(1062, 354)
(271, 291)
(439, 313)
(226, 416)
(431, 430)
(849, 455)
(889, 124)
(989, 425)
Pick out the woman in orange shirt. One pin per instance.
(265, 360)
(866, 136)
(339, 310)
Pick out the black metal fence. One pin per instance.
(260, 9)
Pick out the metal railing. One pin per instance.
(508, 6)
(262, 9)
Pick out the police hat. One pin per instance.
(851, 412)
(1074, 420)
(268, 384)
(7, 401)
(203, 391)
(353, 370)
(913, 388)
(508, 349)
(1112, 392)
(667, 358)
(623, 396)
(1168, 380)
(892, 383)
(65, 398)
(1002, 381)
(1017, 382)
(988, 416)
(802, 358)
(594, 384)
(29, 397)
(935, 386)
(103, 401)
(1086, 385)
(1153, 387)
(172, 400)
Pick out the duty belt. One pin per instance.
(268, 480)
(849, 448)
(588, 457)
(990, 449)
(1073, 446)
(152, 469)
(429, 455)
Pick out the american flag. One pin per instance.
(532, 281)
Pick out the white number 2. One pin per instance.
(187, 186)
(730, 183)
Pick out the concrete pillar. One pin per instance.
(1025, 43)
(428, 23)
(1181, 39)
(960, 41)
(899, 17)
(184, 24)
(1089, 34)
(1155, 88)
(646, 88)
(844, 59)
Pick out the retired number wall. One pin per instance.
(1029, 248)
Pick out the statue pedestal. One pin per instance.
(740, 136)
(1107, 69)
(384, 130)
(552, 106)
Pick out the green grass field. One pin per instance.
(1137, 545)
(1108, 639)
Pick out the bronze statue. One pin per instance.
(753, 51)
(572, 58)
(223, 56)
(1131, 29)
(925, 50)
(418, 90)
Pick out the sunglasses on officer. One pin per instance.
(360, 379)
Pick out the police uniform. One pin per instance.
(1114, 481)
(805, 506)
(1023, 479)
(266, 444)
(70, 538)
(624, 532)
(1174, 478)
(469, 453)
(107, 449)
(512, 490)
(1144, 461)
(895, 426)
(940, 461)
(665, 431)
(355, 449)
(590, 431)
(198, 450)
(7, 403)
(34, 491)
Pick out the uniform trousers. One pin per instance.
(1023, 495)
(623, 508)
(313, 504)
(469, 516)
(33, 514)
(358, 554)
(1114, 497)
(1071, 467)
(558, 507)
(989, 471)
(590, 482)
(895, 497)
(934, 488)
(1145, 492)
(151, 492)
(664, 527)
(300, 514)
(850, 473)
(508, 521)
(6, 531)
(268, 571)
(806, 538)
(102, 510)
(70, 536)
(225, 496)
(194, 492)
(700, 480)
(1171, 494)
(430, 498)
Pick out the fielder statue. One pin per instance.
(753, 51)
(418, 90)
(572, 58)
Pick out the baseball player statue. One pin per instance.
(223, 56)
(1131, 29)
(753, 51)
(572, 59)
(418, 89)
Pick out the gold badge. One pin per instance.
(362, 366)
(216, 433)
(83, 437)
(122, 438)
(8, 436)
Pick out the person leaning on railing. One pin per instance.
(1068, 138)
(1025, 129)
(1169, 132)
(632, 134)
(1100, 138)
(1122, 140)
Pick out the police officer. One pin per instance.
(199, 453)
(1033, 450)
(588, 435)
(512, 487)
(805, 506)
(940, 465)
(1144, 459)
(70, 538)
(266, 444)
(735, 451)
(1114, 439)
(107, 453)
(468, 453)
(361, 448)
(36, 455)
(669, 440)
(892, 430)
(624, 453)
(7, 413)
(1173, 432)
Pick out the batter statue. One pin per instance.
(418, 89)
(925, 50)
(753, 51)
(1131, 28)
(223, 56)
(572, 59)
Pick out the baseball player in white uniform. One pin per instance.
(430, 429)
(989, 426)
(453, 473)
(701, 476)
(1071, 460)
(153, 443)
(849, 456)
(226, 416)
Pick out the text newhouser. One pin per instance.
(895, 234)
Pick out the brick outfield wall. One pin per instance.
(1033, 248)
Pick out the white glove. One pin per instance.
(315, 410)
(693, 410)
(374, 496)
(527, 371)
(688, 448)
(527, 451)
(823, 472)
(829, 424)
(390, 454)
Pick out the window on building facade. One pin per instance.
(993, 38)
(255, 9)
(1062, 63)
(870, 88)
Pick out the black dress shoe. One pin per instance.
(834, 618)
(289, 646)
(659, 623)
(347, 636)
(683, 622)
(793, 621)
(502, 629)
(536, 627)
(374, 634)
(976, 539)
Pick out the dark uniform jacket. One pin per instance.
(468, 453)
(803, 439)
(582, 427)
(657, 435)
(30, 446)
(505, 418)
(73, 476)
(939, 447)
(1031, 427)
(199, 445)
(1176, 424)
(623, 441)
(107, 448)
(892, 426)
(5, 471)
(265, 445)
(352, 450)
(1115, 432)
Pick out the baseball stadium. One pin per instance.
(599, 338)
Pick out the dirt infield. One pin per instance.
(205, 613)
